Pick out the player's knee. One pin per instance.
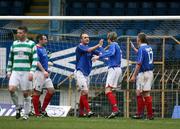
(11, 89)
(108, 89)
(138, 92)
(51, 90)
(146, 93)
(84, 92)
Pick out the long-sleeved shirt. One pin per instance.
(22, 56)
(113, 54)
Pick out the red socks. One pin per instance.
(148, 103)
(81, 106)
(112, 100)
(84, 103)
(46, 100)
(140, 105)
(35, 101)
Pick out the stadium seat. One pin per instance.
(173, 32)
(120, 32)
(91, 9)
(160, 8)
(132, 32)
(17, 7)
(105, 9)
(174, 8)
(169, 51)
(77, 9)
(119, 9)
(146, 9)
(4, 7)
(132, 9)
(177, 51)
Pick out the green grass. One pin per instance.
(87, 123)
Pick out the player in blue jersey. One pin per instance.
(41, 78)
(114, 56)
(84, 53)
(143, 74)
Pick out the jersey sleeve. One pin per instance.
(10, 61)
(109, 52)
(34, 59)
(83, 49)
(140, 56)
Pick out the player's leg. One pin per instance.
(82, 82)
(13, 83)
(49, 94)
(146, 93)
(139, 97)
(111, 82)
(37, 86)
(26, 87)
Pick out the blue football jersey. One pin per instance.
(83, 59)
(43, 57)
(114, 55)
(145, 58)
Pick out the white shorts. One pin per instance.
(144, 81)
(40, 82)
(114, 76)
(82, 81)
(20, 80)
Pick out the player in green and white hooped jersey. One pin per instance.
(21, 66)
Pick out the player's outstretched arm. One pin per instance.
(96, 46)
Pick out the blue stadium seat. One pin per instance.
(174, 8)
(132, 32)
(105, 9)
(91, 9)
(132, 9)
(17, 7)
(160, 8)
(120, 32)
(119, 9)
(177, 51)
(4, 7)
(77, 9)
(146, 9)
(169, 51)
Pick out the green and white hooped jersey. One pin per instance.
(22, 56)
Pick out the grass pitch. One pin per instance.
(87, 123)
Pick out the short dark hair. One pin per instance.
(82, 34)
(112, 36)
(24, 28)
(39, 37)
(142, 36)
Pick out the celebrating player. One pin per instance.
(114, 56)
(41, 78)
(144, 73)
(21, 66)
(84, 53)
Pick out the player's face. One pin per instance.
(85, 39)
(44, 40)
(21, 35)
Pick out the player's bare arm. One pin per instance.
(133, 78)
(96, 46)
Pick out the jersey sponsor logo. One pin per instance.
(64, 65)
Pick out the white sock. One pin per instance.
(27, 105)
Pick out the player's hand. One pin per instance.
(95, 58)
(30, 76)
(133, 79)
(101, 42)
(46, 74)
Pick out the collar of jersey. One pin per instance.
(27, 40)
(143, 44)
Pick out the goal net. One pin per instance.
(63, 37)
